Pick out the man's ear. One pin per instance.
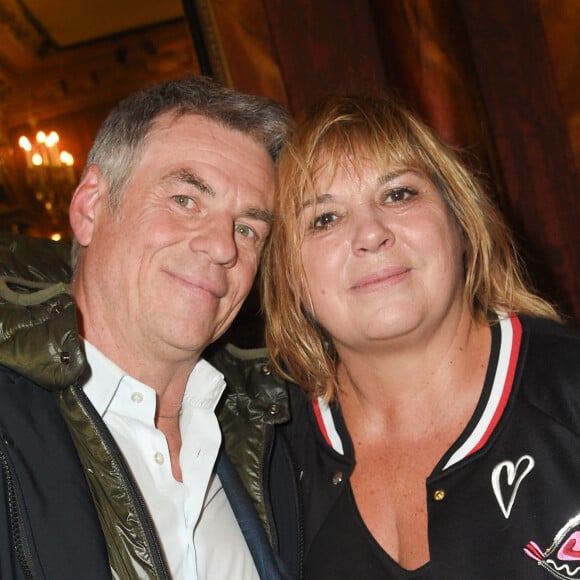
(83, 204)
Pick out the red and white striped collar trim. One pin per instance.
(510, 340)
(509, 350)
(326, 424)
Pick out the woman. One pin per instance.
(439, 434)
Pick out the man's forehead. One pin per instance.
(205, 130)
(202, 123)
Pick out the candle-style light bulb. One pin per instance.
(25, 143)
(66, 158)
(52, 138)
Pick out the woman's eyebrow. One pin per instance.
(322, 198)
(391, 176)
(381, 180)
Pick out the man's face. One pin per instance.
(169, 270)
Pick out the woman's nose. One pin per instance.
(371, 233)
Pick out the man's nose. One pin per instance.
(217, 240)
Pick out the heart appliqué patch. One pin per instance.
(570, 549)
(506, 479)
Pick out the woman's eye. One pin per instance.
(399, 194)
(245, 231)
(183, 201)
(323, 221)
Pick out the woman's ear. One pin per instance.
(83, 203)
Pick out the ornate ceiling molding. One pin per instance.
(69, 80)
(21, 40)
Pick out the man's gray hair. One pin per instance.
(120, 139)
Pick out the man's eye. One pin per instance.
(323, 221)
(183, 201)
(245, 231)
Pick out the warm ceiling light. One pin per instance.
(51, 139)
(25, 143)
(66, 158)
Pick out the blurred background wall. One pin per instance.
(499, 80)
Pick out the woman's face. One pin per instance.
(382, 256)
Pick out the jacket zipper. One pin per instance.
(131, 486)
(16, 524)
(268, 445)
(300, 512)
(274, 432)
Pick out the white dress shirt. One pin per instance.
(199, 534)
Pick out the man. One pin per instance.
(108, 470)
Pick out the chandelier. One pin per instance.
(50, 175)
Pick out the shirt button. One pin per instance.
(159, 458)
(439, 495)
(137, 397)
(337, 477)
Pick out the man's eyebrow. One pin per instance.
(260, 214)
(191, 178)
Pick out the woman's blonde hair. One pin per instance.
(381, 130)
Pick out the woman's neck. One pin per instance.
(397, 387)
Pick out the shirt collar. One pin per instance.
(204, 388)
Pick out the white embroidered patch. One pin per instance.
(514, 475)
